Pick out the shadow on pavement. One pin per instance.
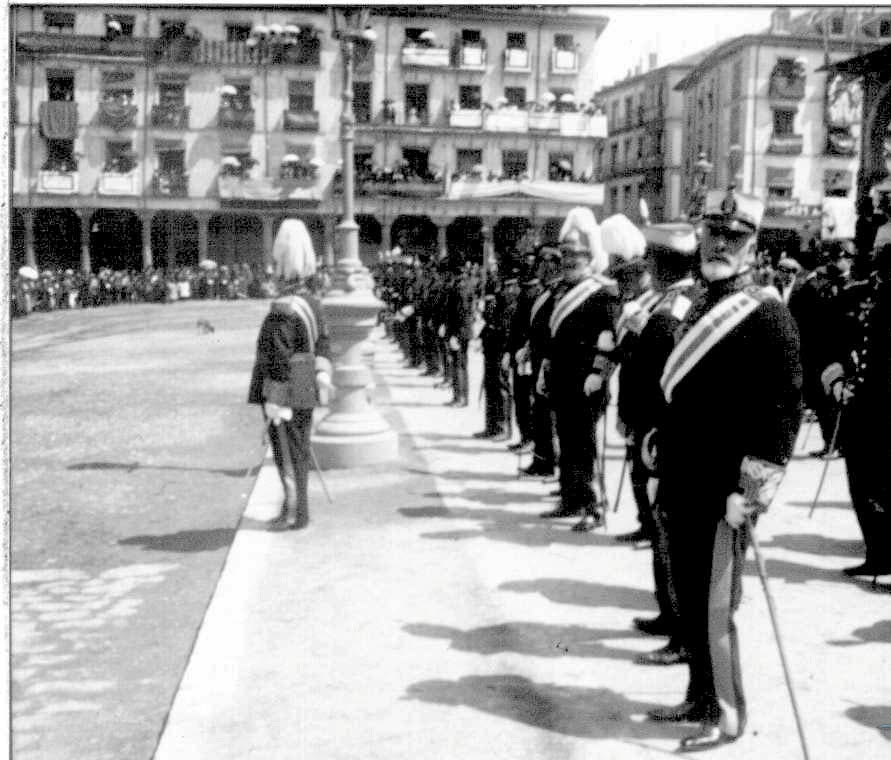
(184, 540)
(872, 716)
(820, 505)
(132, 466)
(588, 594)
(464, 474)
(490, 496)
(796, 572)
(879, 632)
(533, 639)
(813, 543)
(568, 710)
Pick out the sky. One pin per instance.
(671, 32)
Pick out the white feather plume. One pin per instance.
(293, 252)
(581, 227)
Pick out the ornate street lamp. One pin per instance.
(696, 205)
(349, 25)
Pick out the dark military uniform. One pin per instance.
(493, 339)
(459, 330)
(542, 412)
(517, 337)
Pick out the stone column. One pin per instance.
(85, 263)
(441, 231)
(386, 234)
(203, 222)
(328, 253)
(30, 254)
(147, 240)
(268, 240)
(171, 225)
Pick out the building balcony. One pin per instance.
(840, 142)
(425, 57)
(46, 43)
(786, 88)
(582, 125)
(276, 189)
(117, 115)
(57, 183)
(544, 120)
(170, 117)
(115, 183)
(466, 118)
(785, 145)
(168, 185)
(517, 61)
(219, 52)
(232, 118)
(564, 61)
(301, 121)
(402, 189)
(472, 58)
(507, 120)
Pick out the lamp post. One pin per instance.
(696, 205)
(349, 26)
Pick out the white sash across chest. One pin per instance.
(635, 314)
(303, 310)
(537, 304)
(571, 300)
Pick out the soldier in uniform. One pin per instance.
(459, 331)
(575, 369)
(646, 335)
(732, 386)
(521, 376)
(292, 366)
(859, 380)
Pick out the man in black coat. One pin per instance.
(458, 333)
(291, 366)
(521, 377)
(733, 390)
(859, 379)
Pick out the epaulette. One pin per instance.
(675, 303)
(763, 292)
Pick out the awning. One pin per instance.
(270, 189)
(58, 119)
(117, 77)
(780, 177)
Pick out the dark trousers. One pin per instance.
(576, 416)
(523, 385)
(663, 581)
(639, 476)
(431, 350)
(459, 368)
(415, 352)
(543, 431)
(445, 358)
(290, 450)
(497, 409)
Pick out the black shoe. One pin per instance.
(461, 402)
(708, 737)
(588, 523)
(535, 470)
(555, 492)
(632, 538)
(657, 626)
(685, 712)
(484, 434)
(520, 446)
(867, 568)
(289, 522)
(501, 437)
(668, 655)
(559, 512)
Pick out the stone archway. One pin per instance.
(17, 243)
(464, 240)
(174, 240)
(116, 240)
(416, 235)
(235, 239)
(506, 233)
(370, 239)
(57, 238)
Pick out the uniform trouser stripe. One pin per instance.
(725, 592)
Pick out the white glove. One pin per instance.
(541, 383)
(842, 393)
(441, 331)
(454, 345)
(275, 413)
(737, 511)
(505, 362)
(593, 383)
(622, 430)
(759, 481)
(649, 453)
(522, 355)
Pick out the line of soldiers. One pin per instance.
(711, 376)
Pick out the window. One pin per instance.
(413, 35)
(57, 22)
(171, 94)
(516, 40)
(418, 161)
(640, 149)
(885, 28)
(241, 100)
(629, 103)
(514, 163)
(127, 23)
(613, 156)
(466, 159)
(563, 42)
(470, 96)
(363, 161)
(613, 199)
(237, 32)
(516, 96)
(172, 162)
(626, 152)
(171, 29)
(470, 37)
(735, 125)
(60, 85)
(736, 80)
(119, 157)
(362, 102)
(60, 156)
(783, 122)
(614, 115)
(301, 96)
(837, 25)
(416, 101)
(559, 166)
(658, 141)
(628, 196)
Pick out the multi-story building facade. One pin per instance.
(163, 136)
(773, 123)
(641, 158)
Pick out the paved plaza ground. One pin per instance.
(427, 613)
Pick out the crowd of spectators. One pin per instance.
(71, 289)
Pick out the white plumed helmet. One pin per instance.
(622, 238)
(293, 251)
(581, 229)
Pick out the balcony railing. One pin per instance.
(582, 125)
(170, 185)
(549, 120)
(472, 57)
(564, 61)
(231, 118)
(311, 190)
(170, 117)
(402, 189)
(466, 118)
(117, 115)
(301, 121)
(507, 121)
(786, 88)
(785, 145)
(57, 183)
(47, 43)
(219, 52)
(517, 60)
(427, 57)
(113, 183)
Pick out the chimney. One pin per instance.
(653, 58)
(780, 21)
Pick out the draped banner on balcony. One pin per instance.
(58, 120)
(576, 193)
(275, 189)
(116, 114)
